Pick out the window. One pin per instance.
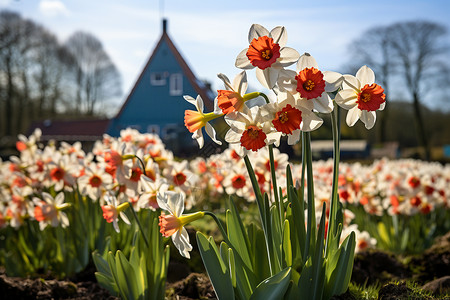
(176, 84)
(157, 78)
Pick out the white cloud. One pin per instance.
(53, 8)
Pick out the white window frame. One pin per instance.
(158, 78)
(176, 84)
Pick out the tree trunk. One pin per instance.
(420, 126)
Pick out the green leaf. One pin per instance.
(107, 282)
(237, 234)
(287, 248)
(127, 279)
(273, 288)
(318, 275)
(217, 271)
(100, 263)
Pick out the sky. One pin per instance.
(210, 34)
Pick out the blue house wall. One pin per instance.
(156, 102)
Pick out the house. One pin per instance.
(155, 103)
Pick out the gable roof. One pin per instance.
(198, 86)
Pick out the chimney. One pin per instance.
(164, 25)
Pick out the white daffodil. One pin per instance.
(361, 97)
(196, 120)
(250, 130)
(112, 211)
(310, 84)
(290, 118)
(267, 52)
(48, 210)
(173, 223)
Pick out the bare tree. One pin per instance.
(418, 47)
(96, 77)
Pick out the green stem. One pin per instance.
(336, 128)
(139, 224)
(274, 184)
(142, 165)
(311, 222)
(219, 224)
(265, 97)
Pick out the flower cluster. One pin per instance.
(300, 95)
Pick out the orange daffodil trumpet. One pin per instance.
(361, 97)
(173, 223)
(266, 52)
(196, 120)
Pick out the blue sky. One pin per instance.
(210, 34)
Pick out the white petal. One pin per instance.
(217, 109)
(124, 217)
(190, 99)
(353, 116)
(267, 77)
(242, 61)
(288, 56)
(294, 137)
(286, 80)
(240, 83)
(224, 78)
(181, 240)
(346, 98)
(306, 61)
(232, 136)
(368, 118)
(351, 82)
(199, 104)
(279, 35)
(176, 202)
(198, 136)
(64, 219)
(333, 80)
(365, 75)
(323, 104)
(256, 31)
(116, 226)
(310, 121)
(212, 133)
(382, 106)
(59, 199)
(273, 138)
(162, 198)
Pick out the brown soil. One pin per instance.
(186, 283)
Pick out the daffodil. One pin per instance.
(112, 211)
(310, 84)
(196, 120)
(362, 97)
(290, 118)
(251, 130)
(266, 52)
(232, 98)
(173, 224)
(48, 210)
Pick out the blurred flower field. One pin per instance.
(56, 201)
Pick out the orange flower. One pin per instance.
(287, 120)
(371, 97)
(253, 138)
(229, 101)
(310, 83)
(263, 52)
(193, 120)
